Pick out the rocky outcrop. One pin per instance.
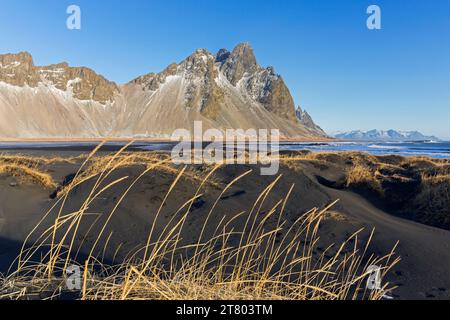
(239, 63)
(83, 83)
(306, 120)
(262, 85)
(18, 70)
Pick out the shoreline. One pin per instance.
(378, 148)
(153, 140)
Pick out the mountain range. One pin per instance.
(382, 135)
(226, 90)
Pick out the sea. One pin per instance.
(433, 149)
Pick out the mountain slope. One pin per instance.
(226, 90)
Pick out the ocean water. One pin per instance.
(429, 149)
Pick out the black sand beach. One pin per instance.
(423, 272)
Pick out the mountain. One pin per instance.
(226, 90)
(306, 120)
(389, 135)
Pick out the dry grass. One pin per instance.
(435, 191)
(30, 170)
(360, 175)
(304, 156)
(432, 175)
(254, 260)
(26, 170)
(95, 165)
(296, 161)
(36, 161)
(435, 179)
(415, 187)
(335, 216)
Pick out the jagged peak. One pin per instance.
(271, 71)
(222, 55)
(244, 54)
(243, 47)
(237, 63)
(200, 53)
(305, 119)
(200, 59)
(302, 113)
(233, 64)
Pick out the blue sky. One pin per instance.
(346, 76)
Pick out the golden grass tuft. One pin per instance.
(26, 171)
(94, 166)
(29, 169)
(433, 199)
(359, 175)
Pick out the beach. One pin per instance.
(390, 198)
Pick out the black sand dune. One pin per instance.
(423, 272)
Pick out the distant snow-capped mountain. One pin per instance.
(384, 135)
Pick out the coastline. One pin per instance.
(437, 150)
(153, 140)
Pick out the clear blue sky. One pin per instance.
(345, 75)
